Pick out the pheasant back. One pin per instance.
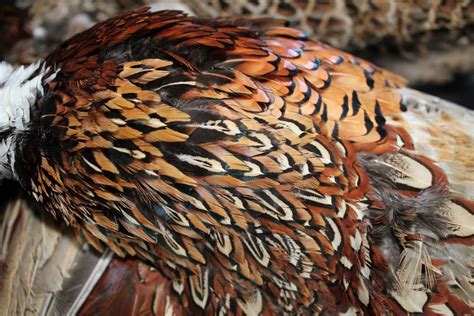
(251, 166)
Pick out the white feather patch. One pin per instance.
(253, 305)
(346, 262)
(350, 312)
(211, 165)
(336, 241)
(408, 171)
(363, 292)
(325, 155)
(6, 158)
(411, 300)
(356, 241)
(441, 309)
(19, 90)
(462, 219)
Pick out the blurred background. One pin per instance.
(431, 42)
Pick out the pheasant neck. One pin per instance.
(19, 89)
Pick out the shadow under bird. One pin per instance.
(251, 166)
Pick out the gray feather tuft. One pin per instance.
(411, 232)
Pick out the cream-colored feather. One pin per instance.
(444, 132)
(44, 270)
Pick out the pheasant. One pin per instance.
(252, 167)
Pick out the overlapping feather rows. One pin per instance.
(251, 166)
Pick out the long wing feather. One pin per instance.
(82, 277)
(43, 270)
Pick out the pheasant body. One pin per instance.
(251, 166)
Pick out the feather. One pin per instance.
(44, 270)
(292, 200)
(82, 277)
(442, 131)
(425, 226)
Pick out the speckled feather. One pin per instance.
(227, 153)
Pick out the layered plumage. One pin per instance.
(252, 167)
